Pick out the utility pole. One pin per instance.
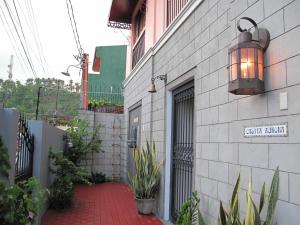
(56, 97)
(10, 66)
(84, 81)
(38, 103)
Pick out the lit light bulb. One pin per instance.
(244, 68)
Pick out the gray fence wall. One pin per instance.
(112, 159)
(46, 137)
(9, 119)
(199, 50)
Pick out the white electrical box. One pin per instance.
(283, 101)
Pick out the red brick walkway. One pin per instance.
(103, 204)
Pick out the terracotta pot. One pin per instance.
(145, 206)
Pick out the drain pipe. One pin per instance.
(151, 98)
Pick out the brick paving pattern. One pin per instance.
(103, 204)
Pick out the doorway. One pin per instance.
(182, 147)
(134, 136)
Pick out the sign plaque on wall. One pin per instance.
(280, 130)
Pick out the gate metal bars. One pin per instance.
(182, 162)
(24, 153)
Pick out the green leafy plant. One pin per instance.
(97, 178)
(61, 193)
(62, 189)
(19, 203)
(253, 213)
(4, 159)
(83, 140)
(190, 212)
(63, 167)
(145, 182)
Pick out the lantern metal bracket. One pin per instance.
(160, 77)
(261, 35)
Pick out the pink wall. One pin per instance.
(154, 27)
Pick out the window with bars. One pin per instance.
(174, 7)
(139, 34)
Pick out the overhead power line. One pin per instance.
(39, 55)
(74, 28)
(22, 31)
(31, 12)
(13, 42)
(20, 39)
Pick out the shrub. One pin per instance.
(4, 159)
(19, 203)
(83, 140)
(97, 178)
(62, 189)
(61, 193)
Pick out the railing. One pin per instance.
(174, 7)
(108, 99)
(25, 149)
(138, 50)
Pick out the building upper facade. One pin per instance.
(147, 21)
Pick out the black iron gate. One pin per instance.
(182, 161)
(24, 153)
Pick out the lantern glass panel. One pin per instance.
(244, 62)
(234, 57)
(260, 64)
(251, 70)
(260, 71)
(260, 56)
(233, 70)
(251, 56)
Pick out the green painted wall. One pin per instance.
(112, 73)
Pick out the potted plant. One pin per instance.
(145, 181)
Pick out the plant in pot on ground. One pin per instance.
(190, 213)
(145, 181)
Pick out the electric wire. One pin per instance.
(73, 23)
(24, 37)
(37, 55)
(37, 30)
(73, 16)
(20, 39)
(14, 42)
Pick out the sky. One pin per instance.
(56, 36)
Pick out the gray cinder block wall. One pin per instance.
(199, 50)
(9, 119)
(111, 160)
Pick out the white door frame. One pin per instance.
(168, 156)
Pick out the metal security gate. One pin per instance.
(134, 135)
(182, 161)
(24, 153)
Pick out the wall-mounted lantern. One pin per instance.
(246, 60)
(152, 88)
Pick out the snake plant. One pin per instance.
(145, 181)
(253, 213)
(190, 214)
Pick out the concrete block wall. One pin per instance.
(221, 151)
(111, 159)
(9, 119)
